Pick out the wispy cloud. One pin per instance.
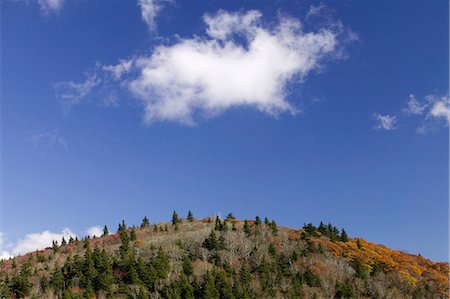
(71, 93)
(50, 6)
(414, 106)
(386, 122)
(433, 109)
(49, 139)
(150, 10)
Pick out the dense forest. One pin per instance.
(221, 258)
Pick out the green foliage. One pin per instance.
(175, 218)
(55, 246)
(218, 224)
(344, 236)
(360, 269)
(145, 222)
(247, 230)
(187, 266)
(20, 283)
(190, 216)
(141, 270)
(231, 216)
(105, 231)
(133, 235)
(212, 243)
(343, 290)
(359, 244)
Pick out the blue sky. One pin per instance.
(300, 111)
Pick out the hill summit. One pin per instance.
(222, 258)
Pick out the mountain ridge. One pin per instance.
(215, 258)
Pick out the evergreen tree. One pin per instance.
(225, 226)
(359, 244)
(210, 243)
(105, 231)
(190, 216)
(257, 220)
(175, 218)
(55, 246)
(274, 227)
(133, 236)
(218, 224)
(230, 216)
(209, 289)
(247, 230)
(344, 236)
(266, 221)
(187, 267)
(20, 283)
(233, 226)
(155, 228)
(63, 241)
(125, 243)
(57, 280)
(145, 222)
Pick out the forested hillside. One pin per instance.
(215, 258)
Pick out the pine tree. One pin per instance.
(218, 224)
(175, 218)
(266, 221)
(230, 216)
(274, 227)
(359, 244)
(133, 236)
(187, 267)
(190, 216)
(246, 228)
(210, 243)
(233, 226)
(63, 241)
(145, 222)
(57, 280)
(344, 236)
(55, 246)
(105, 231)
(125, 243)
(225, 226)
(257, 220)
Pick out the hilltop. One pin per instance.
(214, 258)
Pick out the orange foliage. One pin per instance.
(413, 268)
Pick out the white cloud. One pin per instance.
(386, 122)
(94, 231)
(50, 139)
(440, 108)
(240, 61)
(434, 108)
(48, 6)
(41, 240)
(209, 75)
(123, 67)
(150, 10)
(414, 106)
(72, 93)
(4, 255)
